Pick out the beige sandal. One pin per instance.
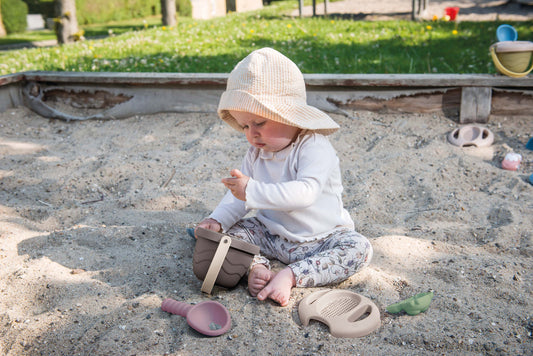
(347, 314)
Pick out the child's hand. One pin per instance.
(210, 224)
(237, 184)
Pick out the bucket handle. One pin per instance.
(214, 268)
(504, 70)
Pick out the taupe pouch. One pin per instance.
(219, 259)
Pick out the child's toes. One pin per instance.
(264, 293)
(255, 287)
(258, 279)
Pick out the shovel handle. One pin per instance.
(174, 307)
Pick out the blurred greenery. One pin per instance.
(316, 45)
(14, 14)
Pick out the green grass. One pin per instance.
(30, 36)
(96, 30)
(316, 45)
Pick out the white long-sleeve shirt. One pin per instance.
(297, 191)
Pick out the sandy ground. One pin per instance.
(93, 237)
(93, 219)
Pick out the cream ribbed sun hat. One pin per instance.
(268, 84)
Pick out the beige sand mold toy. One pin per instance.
(219, 259)
(347, 314)
(471, 135)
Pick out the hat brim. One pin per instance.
(287, 110)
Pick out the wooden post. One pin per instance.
(300, 7)
(475, 104)
(168, 12)
(419, 9)
(2, 28)
(66, 22)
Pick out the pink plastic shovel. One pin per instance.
(209, 318)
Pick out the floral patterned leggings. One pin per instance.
(316, 263)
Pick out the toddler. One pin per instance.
(291, 177)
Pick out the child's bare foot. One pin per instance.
(279, 287)
(258, 278)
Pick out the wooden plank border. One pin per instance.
(312, 80)
(473, 96)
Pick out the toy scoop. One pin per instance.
(209, 318)
(506, 33)
(412, 306)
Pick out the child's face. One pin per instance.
(271, 136)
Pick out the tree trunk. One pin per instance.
(66, 21)
(2, 28)
(168, 12)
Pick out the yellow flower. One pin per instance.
(454, 32)
(435, 17)
(446, 18)
(429, 28)
(252, 31)
(164, 28)
(332, 21)
(289, 26)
